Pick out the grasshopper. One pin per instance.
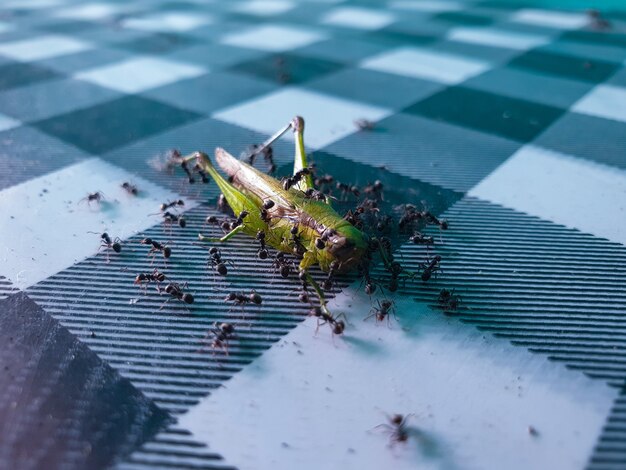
(292, 221)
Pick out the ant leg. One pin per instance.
(225, 238)
(164, 304)
(387, 264)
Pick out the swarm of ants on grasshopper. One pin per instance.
(295, 216)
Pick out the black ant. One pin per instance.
(431, 219)
(183, 165)
(382, 311)
(328, 283)
(364, 268)
(239, 220)
(262, 253)
(265, 215)
(130, 188)
(296, 178)
(320, 243)
(170, 219)
(268, 155)
(396, 428)
(156, 246)
(364, 124)
(304, 294)
(384, 225)
(211, 219)
(347, 189)
(242, 299)
(597, 21)
(221, 333)
(410, 215)
(314, 194)
(97, 197)
(375, 189)
(172, 205)
(324, 180)
(298, 247)
(448, 300)
(354, 218)
(217, 262)
(336, 326)
(420, 239)
(282, 265)
(431, 267)
(106, 242)
(143, 279)
(176, 291)
(203, 176)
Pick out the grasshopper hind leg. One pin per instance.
(225, 238)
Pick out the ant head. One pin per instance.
(397, 419)
(221, 269)
(167, 252)
(255, 298)
(182, 222)
(145, 241)
(304, 297)
(386, 303)
(227, 328)
(285, 271)
(263, 254)
(230, 297)
(213, 250)
(188, 298)
(211, 219)
(319, 244)
(116, 247)
(294, 230)
(339, 327)
(243, 214)
(370, 288)
(444, 224)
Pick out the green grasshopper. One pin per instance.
(291, 220)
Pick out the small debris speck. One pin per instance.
(532, 431)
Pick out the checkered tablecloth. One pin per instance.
(510, 122)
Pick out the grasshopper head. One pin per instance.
(347, 247)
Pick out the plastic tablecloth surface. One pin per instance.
(508, 119)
